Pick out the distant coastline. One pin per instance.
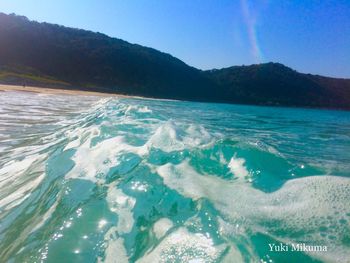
(58, 91)
(73, 92)
(52, 56)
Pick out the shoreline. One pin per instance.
(59, 91)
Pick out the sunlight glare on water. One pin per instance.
(85, 179)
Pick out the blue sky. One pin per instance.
(307, 35)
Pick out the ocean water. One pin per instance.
(91, 179)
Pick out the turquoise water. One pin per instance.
(90, 179)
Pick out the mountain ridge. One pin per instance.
(51, 55)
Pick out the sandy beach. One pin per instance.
(56, 91)
(5, 87)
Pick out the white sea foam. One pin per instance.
(15, 168)
(22, 193)
(299, 202)
(99, 136)
(122, 205)
(80, 135)
(91, 161)
(170, 137)
(104, 154)
(12, 177)
(184, 246)
(115, 251)
(236, 166)
(145, 109)
(162, 226)
(134, 108)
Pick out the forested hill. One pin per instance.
(50, 55)
(276, 84)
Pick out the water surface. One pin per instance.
(85, 179)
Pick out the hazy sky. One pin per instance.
(307, 35)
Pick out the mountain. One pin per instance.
(276, 84)
(50, 55)
(41, 53)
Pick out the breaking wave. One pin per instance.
(132, 180)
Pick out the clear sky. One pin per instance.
(310, 36)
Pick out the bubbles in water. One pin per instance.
(144, 181)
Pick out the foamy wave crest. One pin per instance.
(292, 208)
(153, 181)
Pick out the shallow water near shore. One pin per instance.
(91, 179)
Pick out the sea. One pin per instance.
(109, 179)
